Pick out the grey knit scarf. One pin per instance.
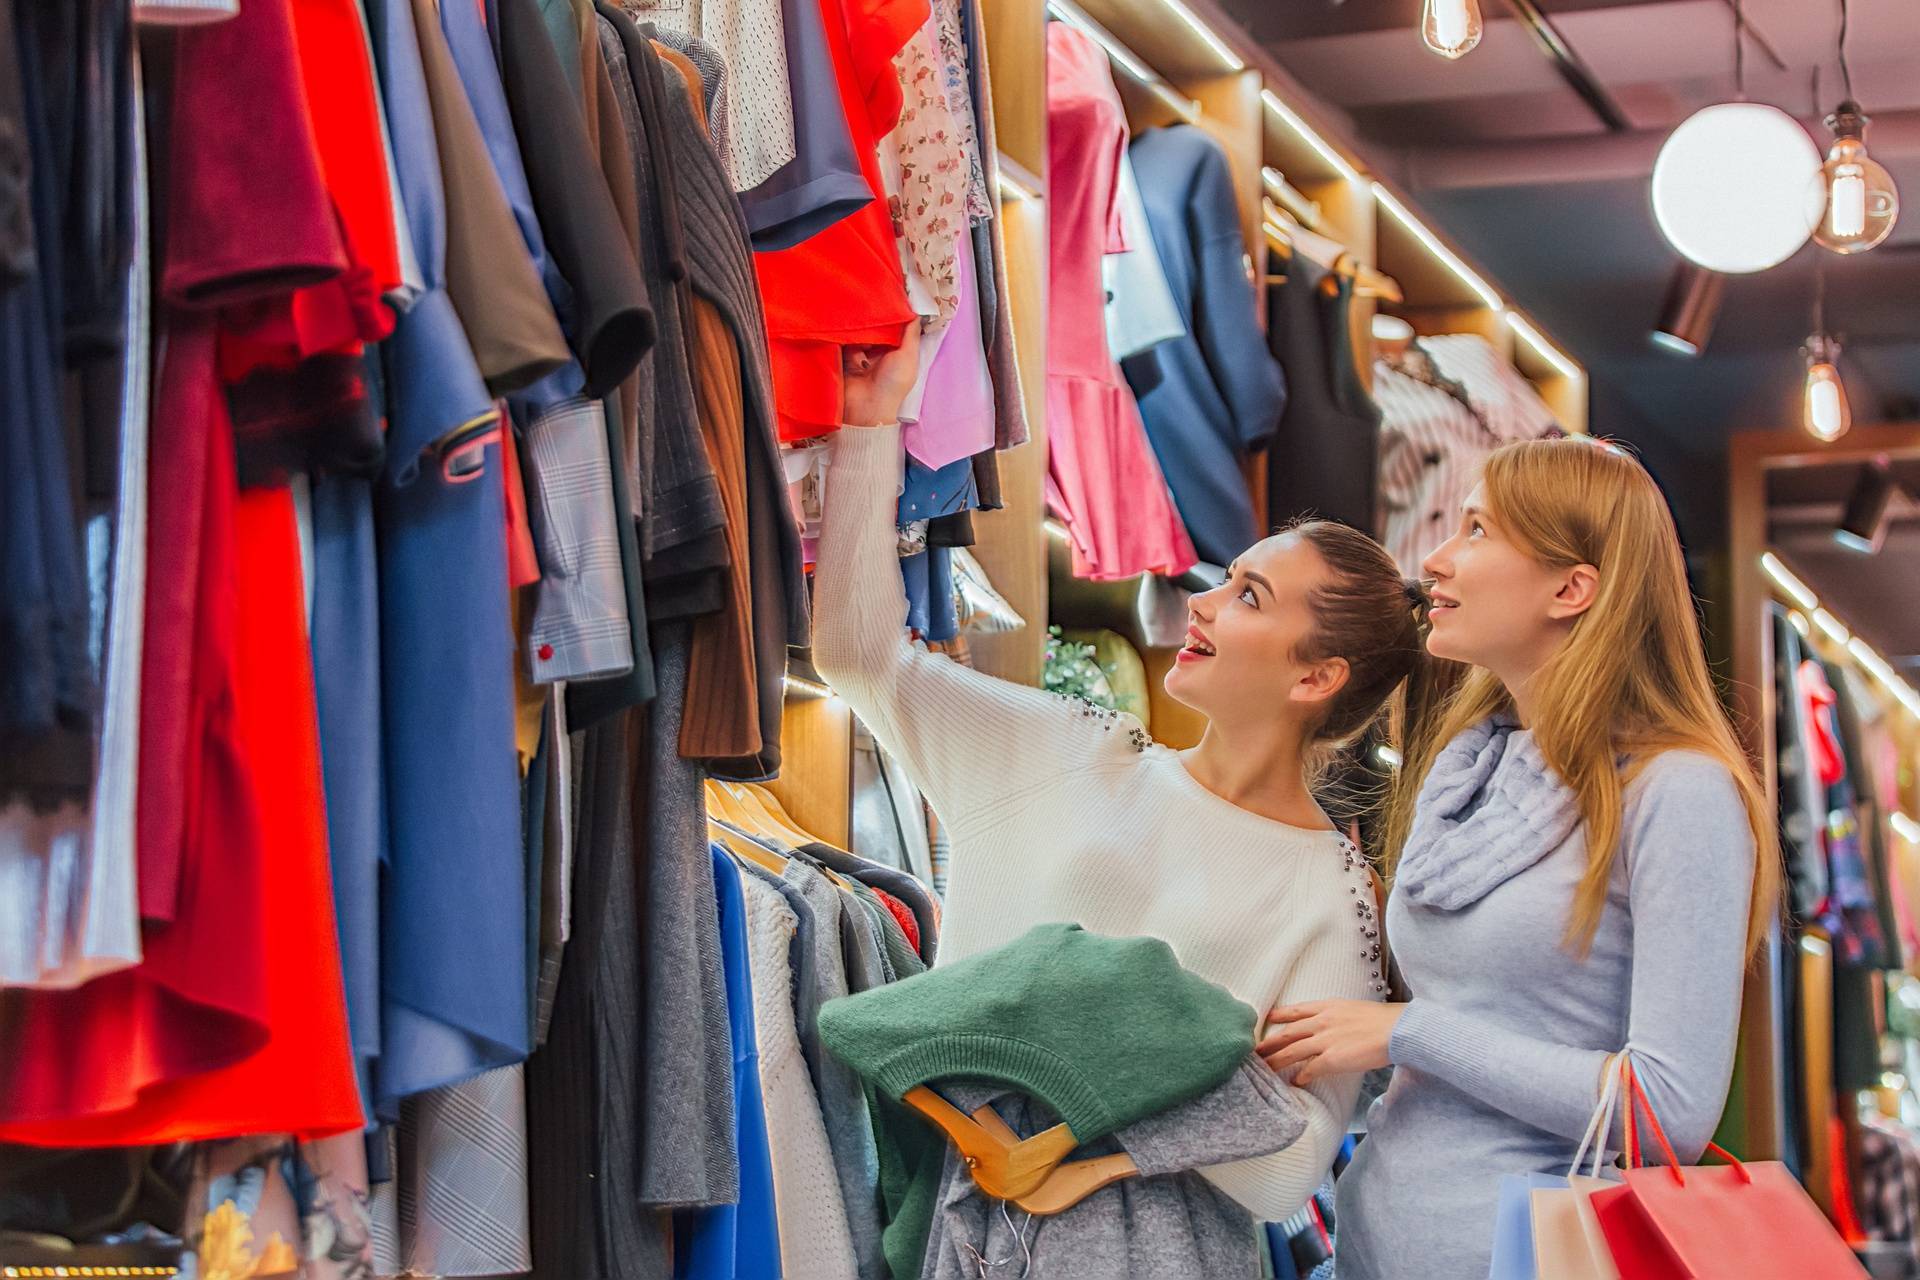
(1490, 808)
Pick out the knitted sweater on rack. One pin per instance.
(1061, 813)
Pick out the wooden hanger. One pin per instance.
(1030, 1172)
(1368, 282)
(775, 821)
(753, 804)
(723, 802)
(743, 848)
(1279, 246)
(741, 807)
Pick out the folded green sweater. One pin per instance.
(1105, 1031)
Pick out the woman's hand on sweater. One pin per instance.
(1329, 1037)
(878, 380)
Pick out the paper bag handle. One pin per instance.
(1636, 1099)
(1600, 1123)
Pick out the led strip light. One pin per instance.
(1524, 329)
(1291, 118)
(76, 1272)
(803, 688)
(1441, 254)
(1225, 51)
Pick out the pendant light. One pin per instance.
(1824, 411)
(1730, 184)
(1692, 305)
(1858, 199)
(1451, 28)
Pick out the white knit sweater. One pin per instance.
(1058, 812)
(815, 1241)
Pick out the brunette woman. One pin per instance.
(1060, 812)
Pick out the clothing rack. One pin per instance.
(1369, 282)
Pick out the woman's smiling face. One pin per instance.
(1245, 636)
(1491, 598)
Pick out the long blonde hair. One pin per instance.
(1630, 681)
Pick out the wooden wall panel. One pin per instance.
(815, 785)
(1174, 723)
(1016, 32)
(1567, 397)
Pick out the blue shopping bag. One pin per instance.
(1513, 1251)
(1513, 1226)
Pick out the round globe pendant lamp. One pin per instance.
(1730, 187)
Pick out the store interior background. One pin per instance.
(1506, 195)
(1549, 191)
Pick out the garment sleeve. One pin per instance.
(966, 739)
(1225, 307)
(1690, 873)
(1274, 1187)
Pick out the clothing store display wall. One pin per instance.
(415, 415)
(433, 554)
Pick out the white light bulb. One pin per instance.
(1451, 28)
(1847, 204)
(1825, 415)
(1824, 404)
(1857, 196)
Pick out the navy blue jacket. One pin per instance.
(1213, 396)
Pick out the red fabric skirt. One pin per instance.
(235, 1020)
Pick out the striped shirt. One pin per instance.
(1440, 417)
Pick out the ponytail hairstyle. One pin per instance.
(1374, 620)
(1631, 679)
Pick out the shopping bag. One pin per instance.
(1567, 1241)
(1713, 1222)
(1521, 1217)
(1513, 1225)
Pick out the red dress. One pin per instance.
(235, 1019)
(844, 286)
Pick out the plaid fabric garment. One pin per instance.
(580, 627)
(1889, 1183)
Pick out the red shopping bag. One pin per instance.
(1721, 1222)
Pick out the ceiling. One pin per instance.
(1523, 173)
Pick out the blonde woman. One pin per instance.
(1584, 863)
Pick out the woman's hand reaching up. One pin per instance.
(878, 380)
